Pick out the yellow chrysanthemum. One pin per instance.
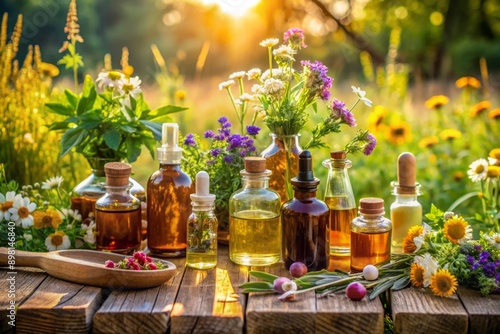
(493, 172)
(443, 284)
(49, 218)
(457, 230)
(458, 175)
(494, 157)
(494, 113)
(437, 102)
(49, 69)
(417, 273)
(428, 142)
(479, 108)
(376, 118)
(180, 95)
(399, 132)
(450, 134)
(408, 242)
(469, 82)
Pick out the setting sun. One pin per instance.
(236, 8)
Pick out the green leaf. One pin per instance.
(381, 288)
(158, 114)
(401, 283)
(60, 109)
(58, 126)
(71, 97)
(90, 125)
(72, 138)
(71, 48)
(89, 95)
(67, 60)
(89, 116)
(133, 149)
(264, 276)
(155, 128)
(112, 139)
(127, 128)
(258, 285)
(315, 107)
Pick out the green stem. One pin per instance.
(270, 57)
(321, 286)
(355, 104)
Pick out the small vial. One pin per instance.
(202, 227)
(118, 213)
(370, 235)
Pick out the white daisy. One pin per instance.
(257, 89)
(109, 79)
(245, 97)
(57, 241)
(89, 236)
(71, 213)
(478, 170)
(237, 75)
(253, 73)
(494, 239)
(53, 182)
(273, 86)
(20, 212)
(131, 87)
(269, 42)
(419, 241)
(6, 203)
(430, 265)
(361, 95)
(226, 84)
(284, 52)
(493, 161)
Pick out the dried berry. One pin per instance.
(139, 261)
(278, 284)
(370, 272)
(355, 291)
(298, 269)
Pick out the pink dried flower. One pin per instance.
(109, 264)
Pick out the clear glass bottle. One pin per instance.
(118, 213)
(406, 211)
(169, 204)
(370, 235)
(340, 199)
(202, 226)
(305, 220)
(254, 218)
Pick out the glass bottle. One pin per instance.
(168, 201)
(406, 211)
(370, 235)
(86, 193)
(118, 213)
(202, 227)
(282, 158)
(340, 199)
(305, 219)
(254, 218)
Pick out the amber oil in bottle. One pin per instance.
(118, 213)
(406, 211)
(305, 219)
(370, 235)
(168, 201)
(254, 218)
(202, 226)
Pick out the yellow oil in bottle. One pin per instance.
(403, 218)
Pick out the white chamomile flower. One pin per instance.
(71, 213)
(269, 42)
(478, 170)
(494, 239)
(420, 240)
(226, 84)
(53, 182)
(430, 265)
(245, 97)
(284, 52)
(110, 79)
(6, 203)
(257, 89)
(253, 73)
(57, 241)
(131, 87)
(273, 86)
(21, 212)
(89, 236)
(238, 102)
(237, 75)
(361, 95)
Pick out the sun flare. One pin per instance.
(235, 8)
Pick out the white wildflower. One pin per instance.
(237, 75)
(269, 42)
(253, 73)
(53, 182)
(226, 84)
(478, 170)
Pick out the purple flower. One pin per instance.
(489, 269)
(478, 247)
(252, 149)
(222, 119)
(348, 118)
(235, 141)
(243, 153)
(337, 104)
(474, 266)
(228, 159)
(470, 260)
(190, 141)
(253, 130)
(370, 146)
(208, 134)
(220, 137)
(226, 125)
(497, 263)
(295, 37)
(498, 279)
(483, 257)
(215, 152)
(317, 80)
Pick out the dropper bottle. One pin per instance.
(202, 226)
(168, 201)
(305, 220)
(406, 211)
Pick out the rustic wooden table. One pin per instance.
(197, 301)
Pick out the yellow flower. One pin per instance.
(180, 95)
(428, 142)
(443, 284)
(376, 118)
(450, 134)
(494, 113)
(458, 175)
(436, 102)
(467, 82)
(494, 157)
(477, 109)
(457, 230)
(49, 218)
(57, 241)
(417, 273)
(493, 172)
(49, 69)
(408, 242)
(399, 132)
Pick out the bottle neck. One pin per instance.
(174, 167)
(255, 182)
(286, 142)
(118, 190)
(203, 206)
(371, 218)
(406, 198)
(301, 195)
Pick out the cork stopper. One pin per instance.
(255, 164)
(371, 206)
(406, 173)
(338, 155)
(117, 173)
(305, 180)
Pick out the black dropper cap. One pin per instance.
(305, 181)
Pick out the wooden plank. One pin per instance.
(419, 311)
(59, 307)
(139, 311)
(338, 314)
(218, 306)
(484, 312)
(265, 313)
(26, 280)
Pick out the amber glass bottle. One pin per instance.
(370, 235)
(169, 204)
(118, 213)
(305, 220)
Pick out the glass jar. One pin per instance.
(254, 218)
(282, 159)
(340, 200)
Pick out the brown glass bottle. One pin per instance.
(118, 213)
(169, 204)
(305, 221)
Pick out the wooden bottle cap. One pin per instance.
(117, 173)
(255, 164)
(371, 205)
(407, 166)
(338, 155)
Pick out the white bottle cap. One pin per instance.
(170, 152)
(202, 188)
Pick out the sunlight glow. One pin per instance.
(235, 8)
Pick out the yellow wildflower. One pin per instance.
(494, 113)
(436, 102)
(443, 284)
(417, 273)
(49, 69)
(49, 218)
(468, 82)
(428, 142)
(450, 134)
(408, 242)
(376, 118)
(457, 230)
(494, 157)
(493, 172)
(478, 108)
(399, 132)
(180, 95)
